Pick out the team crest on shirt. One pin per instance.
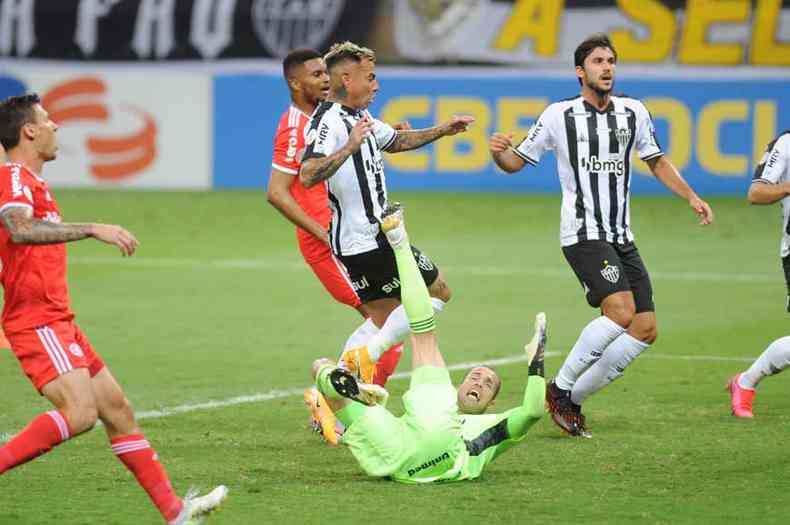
(610, 272)
(623, 136)
(424, 263)
(76, 350)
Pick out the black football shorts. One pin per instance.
(605, 268)
(374, 274)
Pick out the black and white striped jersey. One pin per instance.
(357, 191)
(593, 150)
(774, 168)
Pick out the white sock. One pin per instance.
(610, 366)
(395, 330)
(775, 359)
(595, 337)
(361, 335)
(438, 304)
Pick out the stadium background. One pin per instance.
(184, 96)
(194, 89)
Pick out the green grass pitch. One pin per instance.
(218, 304)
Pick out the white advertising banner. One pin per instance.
(546, 32)
(135, 128)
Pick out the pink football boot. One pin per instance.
(740, 398)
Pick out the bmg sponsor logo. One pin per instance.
(595, 165)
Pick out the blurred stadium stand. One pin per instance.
(192, 90)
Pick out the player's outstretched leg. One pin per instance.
(415, 298)
(138, 456)
(742, 387)
(414, 294)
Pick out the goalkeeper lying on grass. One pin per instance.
(432, 441)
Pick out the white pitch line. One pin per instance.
(289, 392)
(280, 264)
(698, 357)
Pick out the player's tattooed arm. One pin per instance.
(24, 229)
(315, 170)
(318, 169)
(406, 140)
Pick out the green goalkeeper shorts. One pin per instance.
(421, 445)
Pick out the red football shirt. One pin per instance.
(33, 276)
(288, 150)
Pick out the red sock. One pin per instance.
(141, 459)
(387, 364)
(39, 437)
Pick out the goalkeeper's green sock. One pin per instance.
(414, 294)
(324, 384)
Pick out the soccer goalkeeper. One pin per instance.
(432, 441)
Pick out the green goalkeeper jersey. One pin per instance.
(483, 438)
(432, 441)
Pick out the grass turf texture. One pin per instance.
(217, 303)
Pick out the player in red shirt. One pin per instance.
(39, 323)
(3, 341)
(308, 209)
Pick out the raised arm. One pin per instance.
(522, 419)
(24, 229)
(319, 168)
(532, 408)
(409, 139)
(279, 195)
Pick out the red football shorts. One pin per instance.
(50, 351)
(333, 276)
